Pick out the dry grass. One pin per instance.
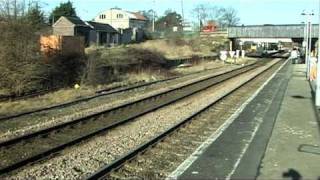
(57, 97)
(207, 65)
(66, 95)
(4, 92)
(172, 49)
(240, 61)
(202, 66)
(169, 49)
(150, 56)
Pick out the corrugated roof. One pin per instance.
(102, 27)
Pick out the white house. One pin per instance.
(124, 20)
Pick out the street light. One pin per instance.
(318, 65)
(308, 40)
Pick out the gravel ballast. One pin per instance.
(31, 123)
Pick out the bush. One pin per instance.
(23, 68)
(21, 64)
(64, 71)
(109, 65)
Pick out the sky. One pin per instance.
(251, 12)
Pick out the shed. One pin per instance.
(71, 26)
(102, 34)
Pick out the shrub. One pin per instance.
(64, 71)
(21, 66)
(109, 65)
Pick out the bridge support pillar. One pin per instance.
(232, 44)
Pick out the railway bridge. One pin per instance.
(271, 33)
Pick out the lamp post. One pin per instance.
(304, 43)
(308, 40)
(318, 65)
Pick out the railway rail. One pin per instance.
(98, 94)
(15, 97)
(42, 143)
(269, 54)
(189, 133)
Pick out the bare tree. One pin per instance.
(201, 12)
(12, 10)
(224, 17)
(229, 17)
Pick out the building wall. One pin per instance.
(63, 27)
(84, 32)
(133, 23)
(138, 35)
(64, 31)
(61, 45)
(126, 36)
(131, 29)
(93, 37)
(104, 38)
(118, 19)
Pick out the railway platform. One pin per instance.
(274, 136)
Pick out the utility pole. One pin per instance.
(318, 65)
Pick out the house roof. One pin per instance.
(76, 21)
(139, 16)
(102, 27)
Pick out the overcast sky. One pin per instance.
(251, 12)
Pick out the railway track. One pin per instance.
(18, 126)
(269, 54)
(98, 94)
(15, 97)
(42, 143)
(157, 158)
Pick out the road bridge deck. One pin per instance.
(293, 31)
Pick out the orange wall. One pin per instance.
(61, 45)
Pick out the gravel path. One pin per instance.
(27, 124)
(81, 160)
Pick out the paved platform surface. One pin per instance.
(275, 136)
(294, 149)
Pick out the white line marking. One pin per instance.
(199, 151)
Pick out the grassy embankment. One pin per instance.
(112, 67)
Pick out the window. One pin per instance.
(119, 16)
(102, 16)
